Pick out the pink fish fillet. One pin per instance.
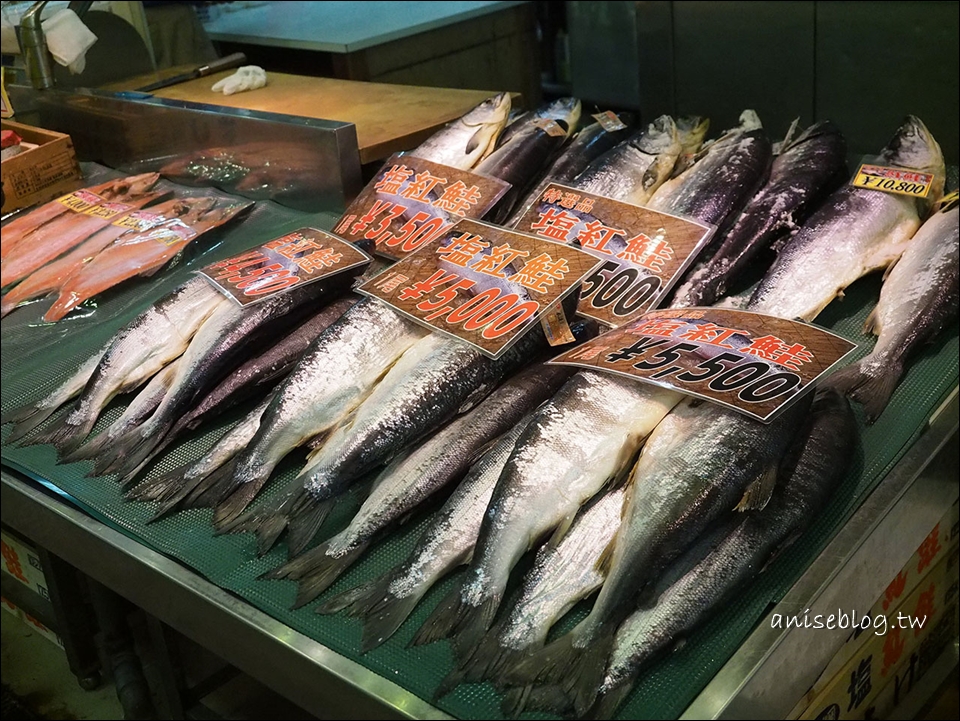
(22, 226)
(51, 276)
(141, 254)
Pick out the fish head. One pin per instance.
(692, 129)
(489, 118)
(660, 141)
(137, 184)
(749, 120)
(913, 146)
(566, 112)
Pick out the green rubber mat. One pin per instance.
(41, 357)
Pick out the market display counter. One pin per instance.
(753, 684)
(415, 112)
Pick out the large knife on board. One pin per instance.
(234, 60)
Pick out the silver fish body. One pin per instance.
(562, 575)
(854, 232)
(633, 170)
(701, 460)
(140, 349)
(564, 110)
(416, 476)
(335, 374)
(467, 140)
(586, 435)
(445, 544)
(918, 299)
(715, 188)
(435, 380)
(725, 561)
(588, 144)
(807, 169)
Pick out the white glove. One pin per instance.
(249, 77)
(68, 40)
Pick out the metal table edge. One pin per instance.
(323, 682)
(723, 696)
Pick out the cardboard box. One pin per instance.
(41, 173)
(23, 563)
(941, 539)
(853, 692)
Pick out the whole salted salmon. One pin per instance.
(141, 254)
(56, 210)
(53, 275)
(52, 240)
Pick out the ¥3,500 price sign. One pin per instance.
(481, 283)
(754, 363)
(413, 201)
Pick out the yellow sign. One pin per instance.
(901, 181)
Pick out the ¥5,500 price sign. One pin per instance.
(754, 363)
(643, 251)
(483, 284)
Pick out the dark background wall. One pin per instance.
(861, 64)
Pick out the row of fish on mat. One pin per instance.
(126, 229)
(666, 505)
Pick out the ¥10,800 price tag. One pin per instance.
(643, 251)
(412, 201)
(901, 181)
(481, 283)
(754, 363)
(303, 256)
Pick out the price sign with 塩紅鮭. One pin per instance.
(480, 283)
(412, 201)
(644, 251)
(751, 362)
(303, 256)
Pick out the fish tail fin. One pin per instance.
(268, 522)
(88, 451)
(136, 449)
(64, 435)
(384, 617)
(160, 488)
(321, 573)
(449, 683)
(232, 502)
(609, 701)
(442, 622)
(578, 669)
(871, 384)
(549, 698)
(25, 420)
(464, 623)
(6, 305)
(488, 659)
(382, 611)
(132, 474)
(305, 522)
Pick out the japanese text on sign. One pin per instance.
(754, 363)
(305, 255)
(412, 201)
(643, 251)
(901, 181)
(483, 284)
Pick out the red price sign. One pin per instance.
(412, 202)
(483, 284)
(644, 252)
(303, 256)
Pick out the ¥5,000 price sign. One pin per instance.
(483, 284)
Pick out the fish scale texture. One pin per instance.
(42, 357)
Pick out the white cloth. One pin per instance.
(249, 77)
(68, 40)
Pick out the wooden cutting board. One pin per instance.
(389, 118)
